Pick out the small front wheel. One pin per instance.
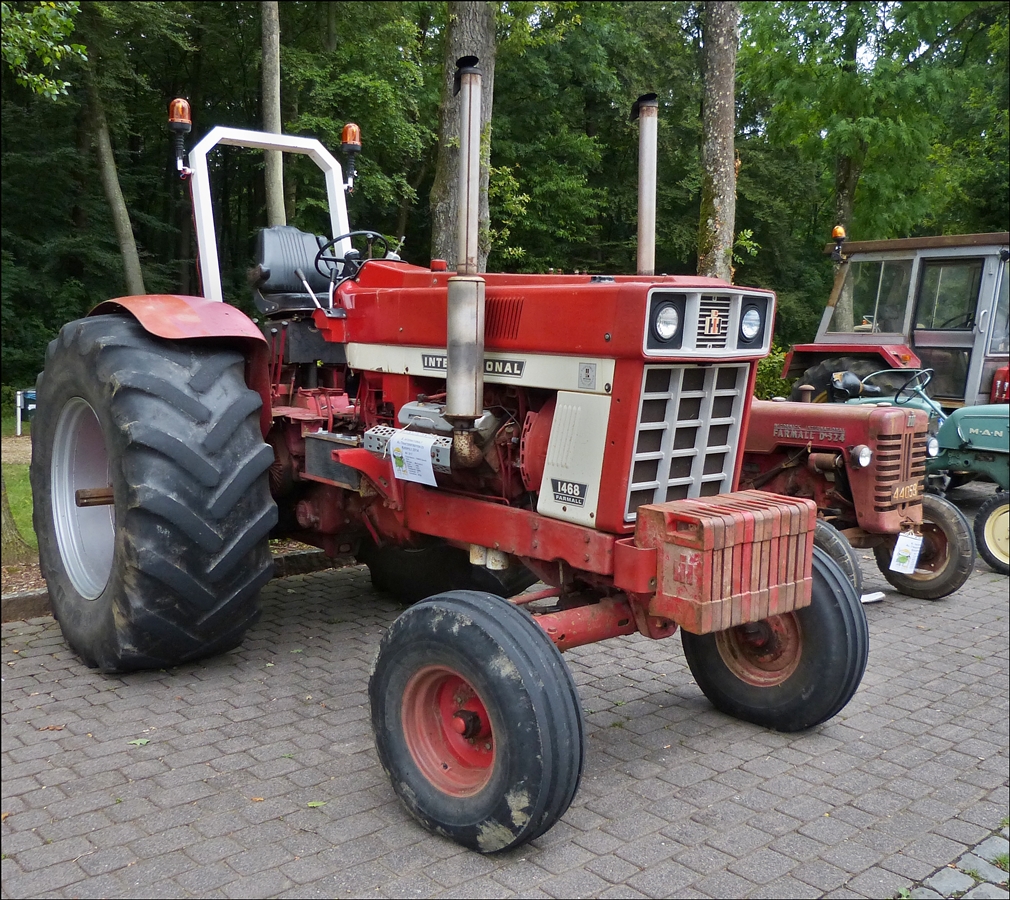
(477, 720)
(946, 558)
(992, 531)
(792, 671)
(835, 544)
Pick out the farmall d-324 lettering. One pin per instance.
(466, 431)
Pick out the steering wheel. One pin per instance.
(373, 238)
(917, 381)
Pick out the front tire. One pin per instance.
(834, 543)
(477, 720)
(170, 571)
(992, 532)
(946, 558)
(789, 672)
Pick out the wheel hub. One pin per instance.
(448, 731)
(763, 653)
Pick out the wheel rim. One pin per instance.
(86, 535)
(997, 532)
(448, 731)
(934, 556)
(764, 654)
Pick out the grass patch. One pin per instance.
(8, 425)
(1002, 861)
(19, 495)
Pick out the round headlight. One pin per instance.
(750, 324)
(932, 447)
(861, 456)
(667, 323)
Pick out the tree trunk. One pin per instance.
(274, 168)
(718, 190)
(15, 549)
(470, 33)
(849, 166)
(113, 192)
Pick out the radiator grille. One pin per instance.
(713, 322)
(899, 458)
(687, 434)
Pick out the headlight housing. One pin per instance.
(932, 447)
(861, 456)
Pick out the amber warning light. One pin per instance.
(179, 123)
(838, 236)
(350, 143)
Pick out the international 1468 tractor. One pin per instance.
(465, 433)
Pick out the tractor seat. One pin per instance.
(277, 290)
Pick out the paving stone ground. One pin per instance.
(197, 781)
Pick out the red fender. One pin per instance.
(175, 318)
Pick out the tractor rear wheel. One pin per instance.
(946, 558)
(413, 573)
(792, 671)
(835, 544)
(820, 376)
(477, 720)
(166, 564)
(992, 531)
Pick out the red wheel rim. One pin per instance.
(934, 555)
(448, 731)
(764, 653)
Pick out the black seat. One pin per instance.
(276, 288)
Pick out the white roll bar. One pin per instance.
(203, 212)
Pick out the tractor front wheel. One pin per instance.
(835, 544)
(792, 671)
(992, 531)
(151, 502)
(477, 720)
(946, 558)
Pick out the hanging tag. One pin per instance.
(906, 553)
(411, 453)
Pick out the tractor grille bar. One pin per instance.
(900, 458)
(687, 434)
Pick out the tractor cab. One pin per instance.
(931, 302)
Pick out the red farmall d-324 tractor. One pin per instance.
(465, 435)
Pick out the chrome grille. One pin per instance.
(687, 434)
(713, 322)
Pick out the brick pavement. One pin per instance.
(196, 781)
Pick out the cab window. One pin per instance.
(873, 297)
(948, 294)
(1000, 341)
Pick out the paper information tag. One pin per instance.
(411, 454)
(906, 553)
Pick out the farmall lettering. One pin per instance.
(808, 433)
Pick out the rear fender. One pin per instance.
(175, 317)
(802, 356)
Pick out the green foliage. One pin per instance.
(19, 495)
(35, 36)
(769, 381)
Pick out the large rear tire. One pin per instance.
(992, 532)
(413, 573)
(946, 558)
(792, 671)
(477, 720)
(171, 570)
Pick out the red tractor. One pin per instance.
(865, 468)
(457, 430)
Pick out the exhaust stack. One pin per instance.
(646, 110)
(464, 401)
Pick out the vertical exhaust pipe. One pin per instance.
(646, 110)
(464, 400)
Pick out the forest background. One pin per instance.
(891, 116)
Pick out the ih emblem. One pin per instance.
(712, 322)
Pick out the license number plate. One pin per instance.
(908, 490)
